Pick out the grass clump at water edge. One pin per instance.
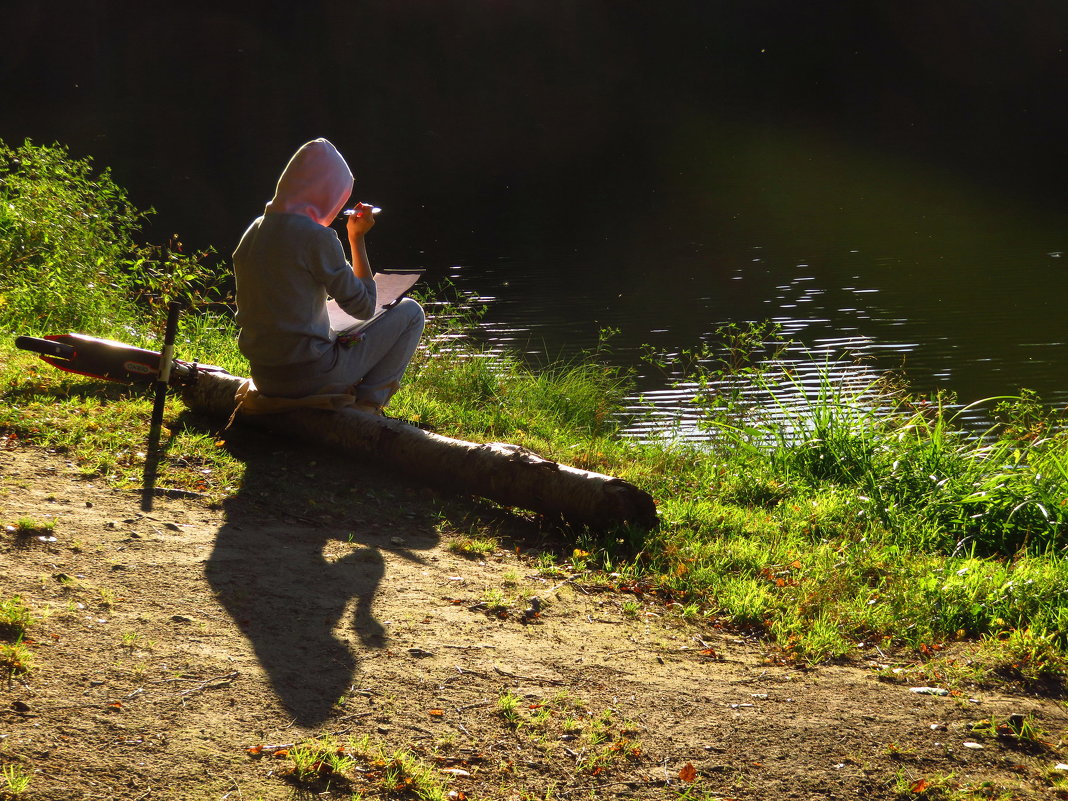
(834, 513)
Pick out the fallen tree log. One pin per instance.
(508, 474)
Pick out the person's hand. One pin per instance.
(361, 220)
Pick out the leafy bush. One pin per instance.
(68, 257)
(65, 234)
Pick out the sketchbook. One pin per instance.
(391, 287)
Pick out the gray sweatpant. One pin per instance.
(371, 366)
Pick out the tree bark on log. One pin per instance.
(508, 474)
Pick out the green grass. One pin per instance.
(508, 708)
(474, 546)
(104, 426)
(14, 781)
(597, 741)
(358, 767)
(15, 618)
(16, 658)
(31, 527)
(861, 516)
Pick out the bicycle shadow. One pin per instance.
(301, 585)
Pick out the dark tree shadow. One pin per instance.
(300, 546)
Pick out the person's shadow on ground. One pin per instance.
(300, 546)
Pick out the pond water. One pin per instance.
(853, 254)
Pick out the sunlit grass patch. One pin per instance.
(358, 767)
(474, 545)
(16, 658)
(487, 395)
(15, 618)
(563, 725)
(14, 781)
(26, 527)
(103, 427)
(508, 708)
(1023, 655)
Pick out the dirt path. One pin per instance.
(175, 640)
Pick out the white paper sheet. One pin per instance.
(391, 287)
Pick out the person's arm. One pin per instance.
(357, 227)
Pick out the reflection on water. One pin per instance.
(975, 353)
(851, 257)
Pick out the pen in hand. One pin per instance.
(358, 212)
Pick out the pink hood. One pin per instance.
(315, 183)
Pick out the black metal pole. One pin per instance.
(163, 378)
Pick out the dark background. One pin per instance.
(490, 125)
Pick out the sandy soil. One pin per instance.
(324, 598)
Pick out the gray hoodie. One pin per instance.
(289, 261)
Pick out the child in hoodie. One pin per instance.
(288, 262)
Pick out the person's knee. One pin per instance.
(413, 312)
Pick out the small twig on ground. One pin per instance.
(468, 647)
(212, 684)
(479, 705)
(753, 679)
(355, 716)
(466, 672)
(177, 679)
(234, 788)
(568, 580)
(257, 751)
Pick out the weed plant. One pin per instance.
(15, 618)
(14, 781)
(824, 514)
(16, 658)
(362, 768)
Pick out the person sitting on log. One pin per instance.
(288, 262)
